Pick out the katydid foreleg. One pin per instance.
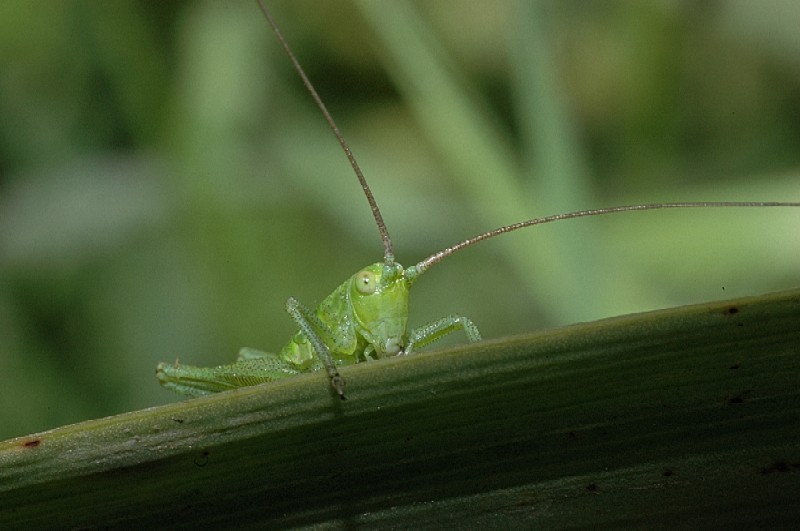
(311, 326)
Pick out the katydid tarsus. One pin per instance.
(366, 317)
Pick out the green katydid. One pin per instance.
(366, 317)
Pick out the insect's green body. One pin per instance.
(365, 318)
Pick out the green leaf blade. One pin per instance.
(684, 417)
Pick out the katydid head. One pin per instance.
(379, 297)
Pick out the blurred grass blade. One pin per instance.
(682, 418)
(477, 152)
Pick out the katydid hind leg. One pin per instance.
(431, 332)
(251, 368)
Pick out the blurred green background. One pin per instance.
(166, 183)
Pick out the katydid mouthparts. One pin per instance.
(366, 317)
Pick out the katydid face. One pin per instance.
(379, 295)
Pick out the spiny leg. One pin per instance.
(310, 324)
(251, 368)
(427, 334)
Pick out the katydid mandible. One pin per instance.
(366, 317)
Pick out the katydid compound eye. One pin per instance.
(366, 283)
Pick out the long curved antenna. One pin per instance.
(388, 252)
(441, 255)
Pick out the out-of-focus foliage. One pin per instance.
(166, 184)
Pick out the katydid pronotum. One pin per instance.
(366, 317)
